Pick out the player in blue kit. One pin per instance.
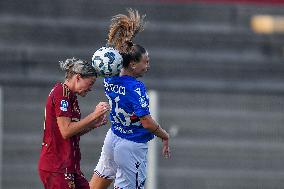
(124, 153)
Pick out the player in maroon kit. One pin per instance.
(59, 164)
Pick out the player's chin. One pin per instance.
(83, 94)
(146, 70)
(143, 73)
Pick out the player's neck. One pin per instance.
(70, 85)
(127, 72)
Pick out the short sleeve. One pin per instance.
(140, 101)
(62, 104)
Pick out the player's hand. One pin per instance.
(166, 149)
(100, 121)
(101, 109)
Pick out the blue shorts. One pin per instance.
(123, 161)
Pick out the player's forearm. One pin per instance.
(149, 123)
(69, 129)
(88, 121)
(85, 131)
(83, 126)
(73, 128)
(161, 133)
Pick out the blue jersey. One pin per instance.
(129, 101)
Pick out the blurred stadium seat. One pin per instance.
(221, 87)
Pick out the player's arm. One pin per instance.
(140, 104)
(102, 120)
(68, 128)
(85, 131)
(149, 123)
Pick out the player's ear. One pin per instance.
(78, 77)
(132, 65)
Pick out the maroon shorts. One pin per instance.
(53, 180)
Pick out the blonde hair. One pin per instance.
(124, 28)
(73, 66)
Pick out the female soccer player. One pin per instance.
(59, 164)
(124, 153)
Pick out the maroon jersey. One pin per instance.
(58, 154)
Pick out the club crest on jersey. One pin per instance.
(138, 91)
(63, 105)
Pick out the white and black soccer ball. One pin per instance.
(107, 62)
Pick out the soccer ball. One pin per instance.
(107, 62)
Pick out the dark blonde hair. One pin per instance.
(74, 66)
(122, 31)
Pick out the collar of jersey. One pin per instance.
(128, 76)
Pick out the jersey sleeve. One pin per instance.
(140, 101)
(62, 103)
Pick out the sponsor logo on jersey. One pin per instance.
(64, 105)
(124, 131)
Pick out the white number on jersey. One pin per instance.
(119, 112)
